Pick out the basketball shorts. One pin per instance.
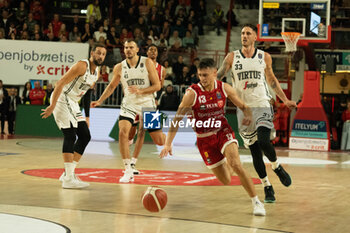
(262, 116)
(131, 110)
(67, 112)
(212, 147)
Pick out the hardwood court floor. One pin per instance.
(317, 201)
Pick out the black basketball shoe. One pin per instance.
(283, 175)
(269, 194)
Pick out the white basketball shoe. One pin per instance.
(127, 177)
(72, 182)
(259, 209)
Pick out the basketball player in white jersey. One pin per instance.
(65, 108)
(252, 71)
(152, 53)
(139, 79)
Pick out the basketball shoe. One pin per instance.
(259, 209)
(73, 182)
(134, 170)
(127, 177)
(283, 175)
(269, 194)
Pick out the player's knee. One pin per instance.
(237, 168)
(226, 180)
(69, 138)
(123, 133)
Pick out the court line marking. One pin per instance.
(149, 216)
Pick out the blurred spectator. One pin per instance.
(139, 37)
(100, 33)
(103, 77)
(21, 12)
(74, 34)
(125, 35)
(37, 94)
(93, 24)
(177, 69)
(201, 14)
(63, 32)
(192, 18)
(5, 21)
(162, 41)
(2, 36)
(48, 32)
(141, 25)
(194, 68)
(169, 100)
(76, 23)
(177, 48)
(12, 30)
(119, 9)
(3, 97)
(25, 35)
(152, 36)
(118, 26)
(37, 10)
(143, 9)
(185, 77)
(56, 25)
(178, 27)
(154, 19)
(93, 9)
(48, 91)
(345, 140)
(280, 122)
(166, 29)
(169, 75)
(113, 39)
(217, 18)
(13, 101)
(131, 17)
(167, 17)
(106, 25)
(87, 34)
(175, 38)
(188, 41)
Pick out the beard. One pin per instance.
(97, 62)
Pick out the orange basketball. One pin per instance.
(154, 199)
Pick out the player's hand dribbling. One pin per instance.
(46, 112)
(95, 104)
(166, 150)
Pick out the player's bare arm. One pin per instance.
(111, 86)
(184, 108)
(233, 97)
(163, 77)
(226, 65)
(76, 70)
(153, 77)
(273, 82)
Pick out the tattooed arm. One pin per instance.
(226, 65)
(274, 84)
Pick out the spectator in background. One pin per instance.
(103, 77)
(93, 9)
(76, 23)
(87, 36)
(12, 30)
(5, 21)
(37, 94)
(143, 9)
(194, 68)
(201, 14)
(218, 18)
(178, 67)
(178, 27)
(56, 25)
(13, 101)
(176, 48)
(100, 33)
(21, 13)
(74, 34)
(25, 94)
(2, 36)
(188, 41)
(167, 17)
(169, 100)
(63, 34)
(141, 24)
(131, 17)
(48, 91)
(106, 25)
(154, 19)
(118, 26)
(125, 35)
(169, 75)
(345, 140)
(166, 29)
(175, 38)
(185, 77)
(37, 10)
(93, 24)
(3, 97)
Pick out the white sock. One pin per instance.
(255, 200)
(69, 168)
(265, 181)
(76, 163)
(275, 164)
(127, 164)
(133, 160)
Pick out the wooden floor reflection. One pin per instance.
(317, 201)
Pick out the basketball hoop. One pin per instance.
(291, 40)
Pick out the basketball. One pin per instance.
(154, 199)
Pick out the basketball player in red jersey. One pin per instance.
(152, 53)
(216, 143)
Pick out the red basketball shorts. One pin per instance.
(212, 147)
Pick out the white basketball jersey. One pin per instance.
(80, 85)
(249, 78)
(135, 76)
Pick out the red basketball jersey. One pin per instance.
(209, 107)
(159, 71)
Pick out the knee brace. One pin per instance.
(69, 137)
(258, 161)
(84, 137)
(265, 144)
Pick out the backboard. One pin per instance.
(311, 18)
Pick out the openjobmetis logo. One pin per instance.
(52, 70)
